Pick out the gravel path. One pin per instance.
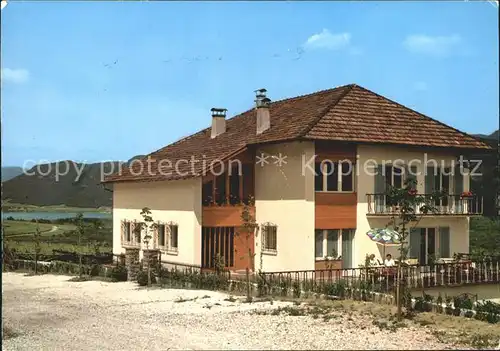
(50, 313)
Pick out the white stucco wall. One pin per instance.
(459, 226)
(285, 197)
(176, 201)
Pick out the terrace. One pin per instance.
(451, 274)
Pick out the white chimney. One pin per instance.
(262, 105)
(218, 121)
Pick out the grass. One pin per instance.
(25, 230)
(15, 207)
(19, 235)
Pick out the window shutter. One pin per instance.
(430, 185)
(133, 234)
(379, 181)
(123, 231)
(379, 189)
(444, 242)
(414, 249)
(458, 188)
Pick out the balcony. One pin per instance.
(450, 205)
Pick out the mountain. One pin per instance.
(10, 172)
(77, 185)
(492, 136)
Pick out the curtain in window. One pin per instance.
(332, 239)
(414, 249)
(444, 242)
(347, 247)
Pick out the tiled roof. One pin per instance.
(346, 113)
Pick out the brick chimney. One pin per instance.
(262, 103)
(218, 122)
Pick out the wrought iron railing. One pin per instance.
(380, 204)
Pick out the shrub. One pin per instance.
(142, 278)
(296, 289)
(119, 274)
(95, 270)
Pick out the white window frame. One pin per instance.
(325, 176)
(325, 243)
(266, 250)
(166, 245)
(131, 228)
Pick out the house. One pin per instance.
(316, 166)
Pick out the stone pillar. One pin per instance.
(132, 263)
(151, 255)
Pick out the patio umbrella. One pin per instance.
(384, 236)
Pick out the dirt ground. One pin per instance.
(50, 312)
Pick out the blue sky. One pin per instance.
(64, 98)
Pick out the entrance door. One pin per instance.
(422, 244)
(217, 241)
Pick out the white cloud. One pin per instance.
(327, 40)
(420, 86)
(17, 76)
(435, 46)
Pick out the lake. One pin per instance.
(54, 215)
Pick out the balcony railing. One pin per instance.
(380, 204)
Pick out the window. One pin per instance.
(174, 237)
(128, 236)
(427, 244)
(162, 238)
(168, 237)
(128, 231)
(394, 176)
(334, 244)
(334, 176)
(438, 179)
(269, 238)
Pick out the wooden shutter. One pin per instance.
(458, 188)
(430, 184)
(379, 188)
(133, 233)
(444, 242)
(122, 232)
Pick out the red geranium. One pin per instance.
(467, 194)
(412, 192)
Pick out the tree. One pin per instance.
(80, 231)
(146, 226)
(404, 218)
(36, 242)
(249, 228)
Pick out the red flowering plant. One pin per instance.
(466, 194)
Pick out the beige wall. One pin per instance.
(285, 197)
(459, 232)
(177, 201)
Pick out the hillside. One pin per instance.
(492, 136)
(10, 172)
(45, 190)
